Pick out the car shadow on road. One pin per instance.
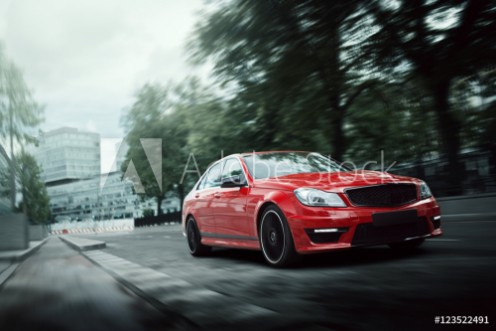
(350, 257)
(361, 256)
(238, 255)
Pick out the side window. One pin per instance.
(201, 185)
(232, 167)
(212, 179)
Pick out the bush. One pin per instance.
(157, 220)
(148, 212)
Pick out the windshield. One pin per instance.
(288, 163)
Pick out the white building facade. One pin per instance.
(102, 197)
(70, 163)
(67, 154)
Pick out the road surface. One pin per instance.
(363, 289)
(58, 289)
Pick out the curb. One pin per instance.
(19, 256)
(81, 245)
(7, 273)
(15, 260)
(195, 307)
(152, 300)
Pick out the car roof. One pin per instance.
(272, 152)
(240, 155)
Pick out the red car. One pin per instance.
(291, 203)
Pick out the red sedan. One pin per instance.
(291, 203)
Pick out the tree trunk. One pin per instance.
(12, 159)
(449, 129)
(180, 192)
(159, 205)
(338, 140)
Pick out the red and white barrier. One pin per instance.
(88, 227)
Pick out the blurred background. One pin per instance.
(378, 82)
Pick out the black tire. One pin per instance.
(276, 240)
(196, 248)
(408, 245)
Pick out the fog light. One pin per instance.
(436, 221)
(326, 235)
(326, 230)
(330, 230)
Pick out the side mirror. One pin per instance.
(233, 181)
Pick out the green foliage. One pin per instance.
(153, 116)
(440, 43)
(148, 212)
(389, 117)
(35, 201)
(293, 67)
(346, 78)
(19, 113)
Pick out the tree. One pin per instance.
(19, 113)
(5, 176)
(212, 125)
(439, 42)
(157, 163)
(35, 201)
(303, 56)
(392, 118)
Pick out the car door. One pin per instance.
(204, 197)
(231, 219)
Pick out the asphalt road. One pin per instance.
(58, 289)
(369, 288)
(364, 289)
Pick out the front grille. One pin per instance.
(369, 234)
(382, 195)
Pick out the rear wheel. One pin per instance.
(407, 245)
(275, 238)
(196, 248)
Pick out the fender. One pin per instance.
(282, 199)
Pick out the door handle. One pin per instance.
(216, 195)
(197, 195)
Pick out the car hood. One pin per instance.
(332, 182)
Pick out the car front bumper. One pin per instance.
(325, 229)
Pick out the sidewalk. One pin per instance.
(19, 255)
(59, 289)
(9, 260)
(81, 244)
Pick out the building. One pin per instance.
(4, 175)
(101, 197)
(70, 163)
(67, 154)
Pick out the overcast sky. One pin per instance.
(84, 59)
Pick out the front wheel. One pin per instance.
(275, 238)
(196, 248)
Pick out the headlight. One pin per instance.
(425, 191)
(314, 198)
